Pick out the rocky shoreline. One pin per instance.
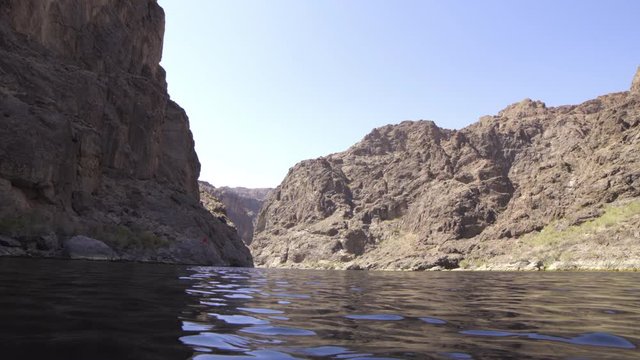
(82, 247)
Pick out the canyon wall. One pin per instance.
(90, 141)
(240, 204)
(532, 187)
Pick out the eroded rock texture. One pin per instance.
(90, 142)
(240, 204)
(416, 196)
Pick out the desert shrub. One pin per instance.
(25, 225)
(612, 215)
(123, 237)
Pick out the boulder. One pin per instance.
(83, 247)
(9, 242)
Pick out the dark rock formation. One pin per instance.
(240, 204)
(91, 144)
(415, 196)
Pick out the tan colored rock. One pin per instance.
(423, 197)
(91, 143)
(635, 85)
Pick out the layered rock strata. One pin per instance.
(416, 196)
(90, 142)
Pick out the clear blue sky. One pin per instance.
(269, 83)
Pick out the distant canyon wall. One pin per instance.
(240, 204)
(91, 143)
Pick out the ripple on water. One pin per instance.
(238, 296)
(236, 291)
(326, 351)
(239, 319)
(199, 292)
(209, 303)
(313, 283)
(367, 358)
(353, 356)
(591, 339)
(382, 317)
(433, 321)
(458, 356)
(277, 330)
(292, 296)
(194, 326)
(211, 299)
(261, 310)
(250, 355)
(225, 342)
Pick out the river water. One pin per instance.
(54, 309)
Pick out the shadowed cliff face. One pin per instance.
(241, 205)
(415, 196)
(94, 33)
(90, 142)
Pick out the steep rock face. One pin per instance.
(90, 142)
(240, 204)
(415, 196)
(635, 85)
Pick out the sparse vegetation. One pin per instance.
(607, 242)
(613, 214)
(122, 237)
(27, 225)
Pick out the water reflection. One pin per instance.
(52, 309)
(86, 310)
(294, 314)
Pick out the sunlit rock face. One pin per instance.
(416, 196)
(90, 142)
(635, 85)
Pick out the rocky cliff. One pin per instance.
(90, 142)
(240, 204)
(532, 187)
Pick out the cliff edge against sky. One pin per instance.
(530, 188)
(90, 142)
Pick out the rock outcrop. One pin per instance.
(90, 142)
(416, 196)
(635, 85)
(240, 204)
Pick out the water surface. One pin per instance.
(79, 310)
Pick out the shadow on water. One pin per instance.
(55, 309)
(80, 310)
